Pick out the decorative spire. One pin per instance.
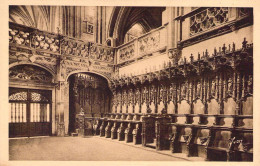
(224, 48)
(191, 58)
(244, 43)
(233, 47)
(207, 53)
(215, 52)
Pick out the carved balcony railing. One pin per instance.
(147, 44)
(43, 42)
(207, 22)
(207, 19)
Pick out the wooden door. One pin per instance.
(30, 112)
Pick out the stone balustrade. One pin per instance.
(43, 42)
(146, 44)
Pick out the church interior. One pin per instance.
(175, 80)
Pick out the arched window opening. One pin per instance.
(135, 31)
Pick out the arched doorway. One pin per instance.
(30, 103)
(89, 93)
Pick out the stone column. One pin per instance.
(173, 34)
(61, 102)
(171, 27)
(60, 109)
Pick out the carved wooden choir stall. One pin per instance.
(201, 108)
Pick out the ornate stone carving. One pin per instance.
(229, 87)
(126, 53)
(29, 72)
(46, 41)
(207, 19)
(137, 96)
(19, 36)
(174, 55)
(148, 43)
(250, 84)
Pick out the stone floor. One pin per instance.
(87, 149)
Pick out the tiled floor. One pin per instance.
(87, 149)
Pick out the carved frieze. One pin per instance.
(29, 72)
(149, 43)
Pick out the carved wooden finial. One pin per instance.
(244, 43)
(181, 61)
(191, 58)
(215, 52)
(207, 53)
(170, 64)
(198, 56)
(233, 47)
(224, 48)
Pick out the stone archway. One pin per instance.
(31, 112)
(88, 93)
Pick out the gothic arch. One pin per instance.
(33, 64)
(123, 18)
(86, 71)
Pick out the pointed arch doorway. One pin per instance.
(89, 93)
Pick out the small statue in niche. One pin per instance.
(153, 93)
(230, 86)
(161, 93)
(137, 94)
(198, 89)
(213, 88)
(82, 112)
(145, 94)
(171, 91)
(119, 97)
(183, 91)
(125, 97)
(149, 110)
(163, 111)
(250, 84)
(130, 95)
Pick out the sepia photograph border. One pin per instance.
(4, 83)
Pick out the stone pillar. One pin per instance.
(173, 35)
(171, 43)
(60, 110)
(61, 99)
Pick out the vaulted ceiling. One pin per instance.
(33, 16)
